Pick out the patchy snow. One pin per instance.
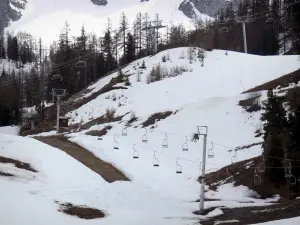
(30, 196)
(206, 95)
(292, 221)
(13, 130)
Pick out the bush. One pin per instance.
(164, 59)
(132, 118)
(143, 66)
(110, 113)
(127, 82)
(114, 97)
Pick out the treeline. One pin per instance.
(272, 27)
(281, 146)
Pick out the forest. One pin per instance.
(272, 29)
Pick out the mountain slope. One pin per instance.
(52, 14)
(10, 10)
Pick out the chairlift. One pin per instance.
(287, 173)
(155, 161)
(115, 144)
(211, 153)
(224, 29)
(208, 31)
(178, 167)
(135, 153)
(185, 146)
(257, 179)
(124, 131)
(229, 176)
(57, 77)
(80, 64)
(270, 20)
(145, 138)
(261, 168)
(233, 158)
(91, 117)
(292, 180)
(165, 142)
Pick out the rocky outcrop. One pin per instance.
(100, 2)
(207, 7)
(10, 10)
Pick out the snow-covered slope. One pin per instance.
(52, 14)
(206, 95)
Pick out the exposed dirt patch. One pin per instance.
(18, 164)
(253, 215)
(283, 81)
(99, 133)
(83, 212)
(242, 173)
(251, 104)
(104, 169)
(156, 117)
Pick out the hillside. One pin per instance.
(166, 113)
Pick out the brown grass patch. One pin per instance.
(283, 81)
(257, 214)
(242, 173)
(3, 174)
(99, 133)
(83, 212)
(18, 164)
(245, 147)
(156, 117)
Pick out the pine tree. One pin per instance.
(123, 29)
(294, 147)
(274, 127)
(130, 48)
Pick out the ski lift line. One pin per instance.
(4, 83)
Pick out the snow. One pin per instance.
(13, 130)
(53, 14)
(9, 66)
(206, 95)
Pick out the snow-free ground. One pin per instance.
(206, 95)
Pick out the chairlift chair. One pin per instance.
(211, 151)
(292, 180)
(165, 142)
(135, 153)
(155, 161)
(124, 131)
(233, 158)
(229, 176)
(80, 64)
(270, 20)
(57, 77)
(257, 179)
(185, 146)
(145, 138)
(208, 31)
(261, 168)
(115, 144)
(287, 173)
(224, 29)
(178, 167)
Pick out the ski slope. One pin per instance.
(52, 15)
(206, 95)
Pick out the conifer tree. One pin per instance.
(274, 127)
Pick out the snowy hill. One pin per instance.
(53, 14)
(188, 96)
